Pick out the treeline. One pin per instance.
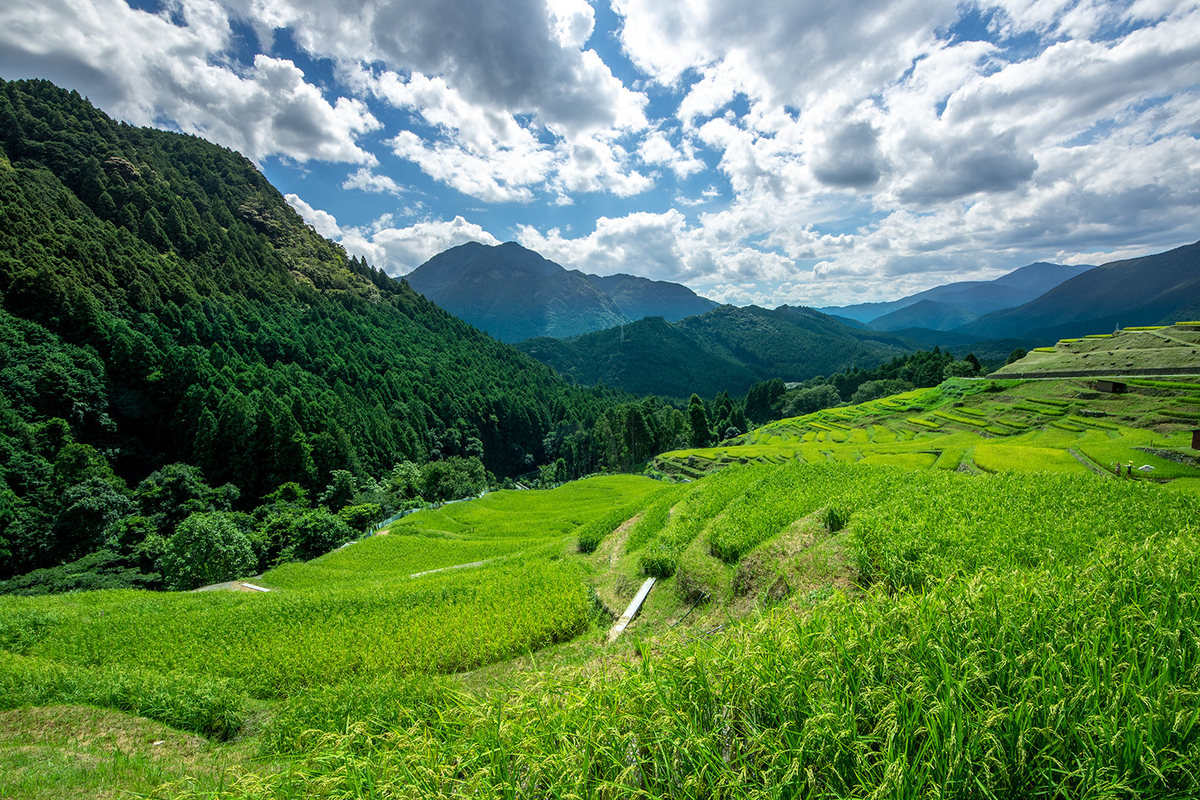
(161, 304)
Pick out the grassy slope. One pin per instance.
(1165, 348)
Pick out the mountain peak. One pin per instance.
(515, 293)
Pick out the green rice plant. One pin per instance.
(1067, 426)
(949, 459)
(974, 412)
(924, 423)
(1092, 422)
(962, 420)
(1163, 384)
(908, 460)
(654, 517)
(1046, 401)
(790, 493)
(1145, 328)
(208, 706)
(1193, 400)
(1179, 413)
(1044, 350)
(1048, 412)
(1098, 336)
(1001, 457)
(1044, 681)
(692, 514)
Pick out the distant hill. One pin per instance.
(925, 314)
(728, 349)
(973, 297)
(1160, 288)
(641, 297)
(514, 294)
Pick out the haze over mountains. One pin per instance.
(953, 305)
(514, 294)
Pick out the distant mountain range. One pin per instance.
(727, 348)
(953, 305)
(1155, 289)
(514, 294)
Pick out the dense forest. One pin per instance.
(167, 319)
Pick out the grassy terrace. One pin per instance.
(1032, 426)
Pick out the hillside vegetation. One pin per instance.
(726, 349)
(173, 338)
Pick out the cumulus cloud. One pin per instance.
(145, 69)
(523, 56)
(366, 180)
(401, 250)
(322, 222)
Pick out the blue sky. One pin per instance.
(760, 151)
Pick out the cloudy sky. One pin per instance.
(765, 151)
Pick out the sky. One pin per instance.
(758, 151)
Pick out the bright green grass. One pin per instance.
(351, 614)
(1000, 457)
(1013, 648)
(909, 460)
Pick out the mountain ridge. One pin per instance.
(515, 293)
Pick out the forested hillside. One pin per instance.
(725, 349)
(162, 304)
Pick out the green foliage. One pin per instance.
(164, 303)
(871, 390)
(315, 533)
(361, 517)
(452, 479)
(698, 423)
(206, 548)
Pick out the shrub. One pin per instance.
(315, 534)
(206, 548)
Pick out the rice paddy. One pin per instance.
(944, 593)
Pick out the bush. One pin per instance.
(361, 517)
(206, 548)
(453, 479)
(315, 534)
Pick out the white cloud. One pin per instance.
(145, 69)
(322, 222)
(522, 56)
(401, 250)
(365, 180)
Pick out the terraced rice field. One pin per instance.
(1029, 426)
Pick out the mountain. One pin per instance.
(726, 349)
(161, 304)
(972, 297)
(929, 314)
(641, 297)
(1160, 288)
(514, 294)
